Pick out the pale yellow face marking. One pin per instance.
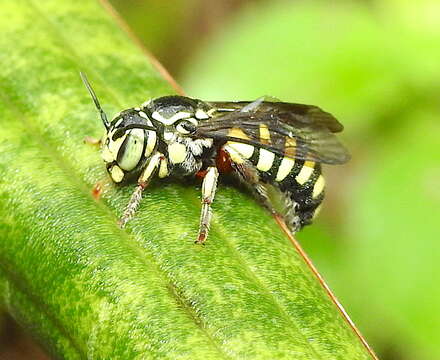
(177, 152)
(265, 160)
(305, 173)
(290, 147)
(244, 150)
(163, 169)
(114, 145)
(318, 187)
(151, 142)
(286, 166)
(116, 173)
(151, 166)
(106, 154)
(264, 134)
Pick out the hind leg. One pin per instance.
(278, 203)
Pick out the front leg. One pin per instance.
(146, 176)
(208, 192)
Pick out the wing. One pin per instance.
(299, 112)
(294, 130)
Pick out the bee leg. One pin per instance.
(276, 201)
(146, 176)
(208, 192)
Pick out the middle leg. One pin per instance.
(209, 187)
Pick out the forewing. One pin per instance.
(297, 136)
(299, 113)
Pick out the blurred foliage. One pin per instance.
(173, 29)
(377, 69)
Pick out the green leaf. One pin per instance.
(87, 289)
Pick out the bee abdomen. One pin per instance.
(301, 182)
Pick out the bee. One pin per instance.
(275, 148)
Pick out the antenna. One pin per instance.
(95, 100)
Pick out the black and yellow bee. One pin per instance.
(275, 148)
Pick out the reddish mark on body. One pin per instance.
(201, 174)
(223, 162)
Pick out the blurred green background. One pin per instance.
(376, 66)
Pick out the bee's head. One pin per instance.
(129, 141)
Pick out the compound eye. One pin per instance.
(186, 127)
(130, 151)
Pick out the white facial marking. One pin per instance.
(151, 142)
(318, 187)
(151, 166)
(305, 173)
(177, 152)
(106, 154)
(285, 168)
(116, 173)
(265, 160)
(114, 145)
